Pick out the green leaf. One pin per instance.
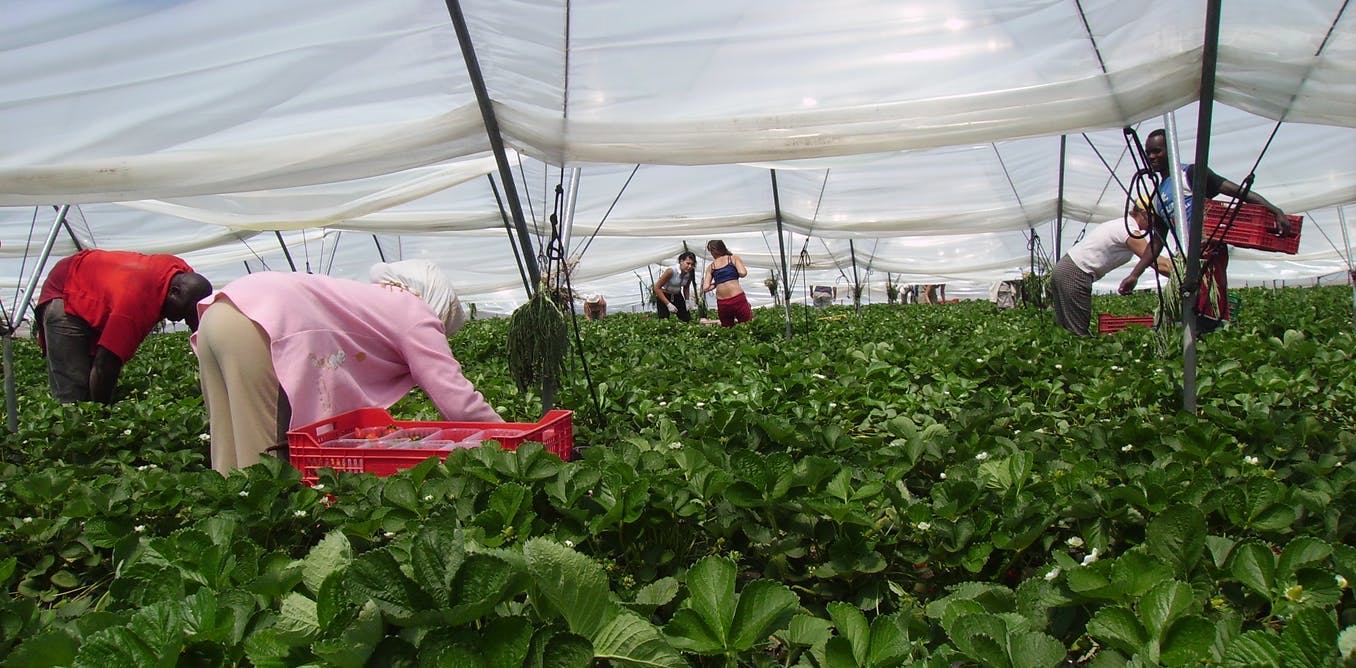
(482, 582)
(1301, 552)
(764, 607)
(657, 593)
(838, 653)
(116, 647)
(297, 622)
(505, 641)
(1033, 649)
(551, 649)
(1254, 565)
(807, 631)
(627, 639)
(377, 576)
(853, 628)
(1188, 640)
(333, 553)
(1135, 572)
(355, 644)
(573, 584)
(982, 637)
(890, 641)
(711, 587)
(45, 650)
(1254, 649)
(688, 631)
(1164, 603)
(400, 492)
(1118, 627)
(1309, 640)
(1177, 537)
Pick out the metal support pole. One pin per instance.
(1351, 273)
(286, 253)
(11, 394)
(1059, 203)
(11, 400)
(856, 282)
(571, 198)
(43, 255)
(468, 53)
(1204, 116)
(380, 253)
(781, 247)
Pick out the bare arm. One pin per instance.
(1231, 189)
(1140, 246)
(1154, 248)
(659, 287)
(707, 283)
(103, 375)
(739, 266)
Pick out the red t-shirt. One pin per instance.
(119, 293)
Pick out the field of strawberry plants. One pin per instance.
(912, 486)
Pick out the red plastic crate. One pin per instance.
(1107, 323)
(316, 446)
(1254, 227)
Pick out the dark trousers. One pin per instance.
(679, 305)
(69, 340)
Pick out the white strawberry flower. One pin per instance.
(923, 526)
(298, 513)
(982, 456)
(1091, 557)
(140, 528)
(244, 493)
(1127, 447)
(1074, 542)
(1052, 574)
(1251, 460)
(204, 437)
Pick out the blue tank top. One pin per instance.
(725, 274)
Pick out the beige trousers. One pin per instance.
(244, 402)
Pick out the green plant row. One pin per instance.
(922, 485)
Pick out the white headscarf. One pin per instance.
(426, 281)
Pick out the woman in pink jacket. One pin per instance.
(279, 351)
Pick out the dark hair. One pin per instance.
(687, 255)
(717, 248)
(1157, 133)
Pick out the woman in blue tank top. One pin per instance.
(723, 275)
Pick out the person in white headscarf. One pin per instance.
(279, 351)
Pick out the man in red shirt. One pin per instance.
(95, 309)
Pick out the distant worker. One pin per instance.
(281, 350)
(1212, 303)
(595, 306)
(674, 287)
(1107, 247)
(723, 275)
(97, 306)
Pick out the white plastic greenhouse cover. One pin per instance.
(920, 136)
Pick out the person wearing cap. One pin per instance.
(97, 306)
(595, 306)
(1105, 248)
(278, 351)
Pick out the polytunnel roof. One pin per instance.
(920, 137)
